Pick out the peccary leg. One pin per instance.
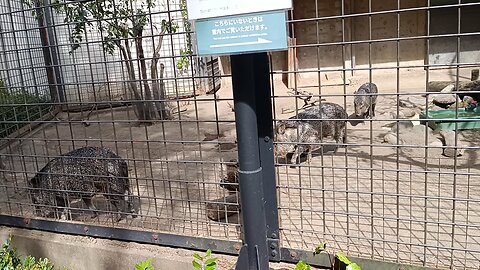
(128, 201)
(340, 137)
(309, 155)
(89, 203)
(62, 203)
(114, 200)
(293, 159)
(297, 154)
(373, 109)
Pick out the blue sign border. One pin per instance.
(238, 34)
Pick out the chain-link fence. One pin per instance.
(121, 74)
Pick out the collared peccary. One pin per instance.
(81, 174)
(230, 181)
(299, 133)
(365, 100)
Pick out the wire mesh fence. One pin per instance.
(401, 188)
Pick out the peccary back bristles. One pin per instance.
(82, 173)
(310, 126)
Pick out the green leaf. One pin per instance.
(211, 261)
(211, 267)
(341, 257)
(320, 248)
(353, 266)
(145, 265)
(196, 265)
(301, 265)
(197, 256)
(208, 253)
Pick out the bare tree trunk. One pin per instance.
(158, 87)
(132, 84)
(143, 71)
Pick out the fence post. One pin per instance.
(263, 101)
(254, 253)
(50, 51)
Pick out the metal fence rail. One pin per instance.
(396, 191)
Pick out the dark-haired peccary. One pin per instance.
(81, 174)
(230, 181)
(299, 133)
(365, 100)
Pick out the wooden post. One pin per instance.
(292, 60)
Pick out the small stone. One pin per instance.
(449, 139)
(419, 102)
(436, 143)
(391, 138)
(443, 100)
(402, 125)
(407, 113)
(448, 89)
(412, 102)
(405, 104)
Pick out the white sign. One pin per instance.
(201, 9)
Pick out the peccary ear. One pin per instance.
(281, 128)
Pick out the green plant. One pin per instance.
(145, 265)
(18, 108)
(10, 260)
(206, 262)
(341, 258)
(340, 261)
(186, 52)
(301, 265)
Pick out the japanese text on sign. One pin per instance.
(239, 25)
(201, 9)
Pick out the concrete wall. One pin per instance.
(311, 59)
(443, 51)
(385, 26)
(87, 253)
(317, 32)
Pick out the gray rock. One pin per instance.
(412, 102)
(449, 139)
(391, 138)
(407, 113)
(448, 89)
(402, 125)
(444, 99)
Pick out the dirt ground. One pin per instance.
(406, 204)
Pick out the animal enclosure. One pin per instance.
(395, 190)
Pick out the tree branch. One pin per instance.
(132, 85)
(158, 87)
(143, 72)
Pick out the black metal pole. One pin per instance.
(254, 253)
(263, 101)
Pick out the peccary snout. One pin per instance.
(81, 174)
(365, 100)
(299, 134)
